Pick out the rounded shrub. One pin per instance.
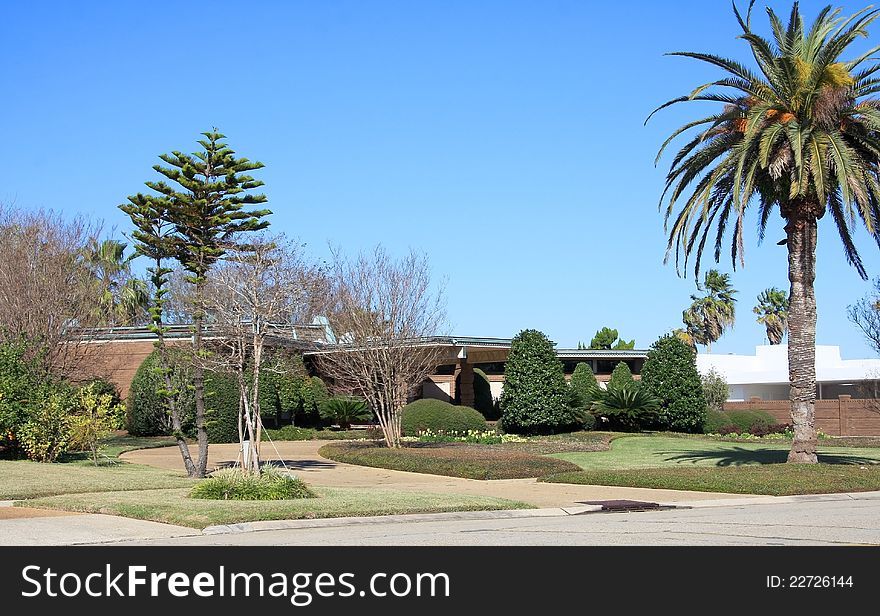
(439, 416)
(536, 397)
(620, 376)
(670, 374)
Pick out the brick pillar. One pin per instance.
(465, 374)
(843, 413)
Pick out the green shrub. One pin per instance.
(439, 416)
(715, 420)
(536, 396)
(310, 394)
(588, 421)
(620, 376)
(583, 385)
(745, 421)
(20, 378)
(670, 374)
(345, 410)
(232, 484)
(627, 407)
(45, 436)
(291, 433)
(146, 413)
(221, 407)
(715, 390)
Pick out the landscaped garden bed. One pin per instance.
(470, 461)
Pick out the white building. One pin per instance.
(765, 374)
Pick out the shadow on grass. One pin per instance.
(740, 456)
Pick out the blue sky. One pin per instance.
(505, 139)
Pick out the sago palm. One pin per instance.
(799, 135)
(772, 311)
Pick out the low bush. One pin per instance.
(345, 410)
(232, 484)
(628, 407)
(715, 421)
(745, 421)
(439, 416)
(291, 433)
(485, 437)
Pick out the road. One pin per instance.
(838, 520)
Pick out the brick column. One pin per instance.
(465, 385)
(843, 412)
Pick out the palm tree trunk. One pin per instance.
(801, 233)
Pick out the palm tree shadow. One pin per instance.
(739, 456)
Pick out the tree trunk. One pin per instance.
(199, 385)
(801, 232)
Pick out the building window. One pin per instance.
(445, 369)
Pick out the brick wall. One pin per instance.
(841, 417)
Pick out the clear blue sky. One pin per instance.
(504, 138)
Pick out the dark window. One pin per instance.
(491, 367)
(569, 365)
(445, 369)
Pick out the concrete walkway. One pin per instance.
(303, 458)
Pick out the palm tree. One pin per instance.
(122, 298)
(713, 312)
(799, 135)
(772, 311)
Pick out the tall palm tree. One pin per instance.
(799, 134)
(772, 311)
(122, 298)
(713, 312)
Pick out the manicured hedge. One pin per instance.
(437, 415)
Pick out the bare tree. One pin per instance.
(47, 292)
(255, 292)
(865, 314)
(382, 310)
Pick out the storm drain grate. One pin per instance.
(623, 506)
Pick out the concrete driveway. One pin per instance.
(303, 458)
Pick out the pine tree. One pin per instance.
(205, 203)
(535, 395)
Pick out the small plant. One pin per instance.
(629, 407)
(715, 390)
(233, 484)
(345, 410)
(291, 433)
(94, 420)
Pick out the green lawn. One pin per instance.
(640, 452)
(772, 479)
(175, 507)
(23, 479)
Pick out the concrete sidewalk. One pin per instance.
(303, 458)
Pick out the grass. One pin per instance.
(668, 451)
(469, 461)
(770, 479)
(23, 479)
(175, 507)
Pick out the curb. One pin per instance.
(506, 514)
(773, 500)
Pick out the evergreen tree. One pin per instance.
(583, 385)
(535, 396)
(206, 204)
(620, 376)
(670, 374)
